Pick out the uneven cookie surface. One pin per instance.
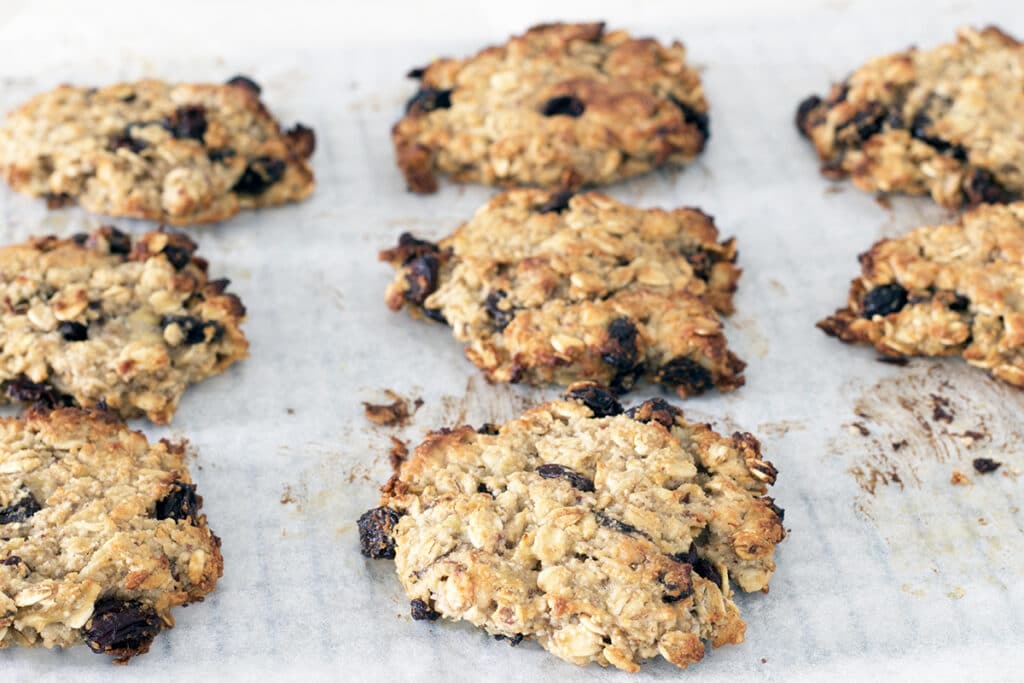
(552, 287)
(944, 122)
(101, 320)
(100, 534)
(607, 536)
(945, 290)
(174, 153)
(561, 106)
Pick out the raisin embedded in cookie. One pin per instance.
(553, 287)
(100, 534)
(101, 319)
(608, 536)
(561, 106)
(177, 154)
(943, 122)
(945, 290)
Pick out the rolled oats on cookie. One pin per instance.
(100, 534)
(561, 106)
(104, 320)
(606, 535)
(554, 287)
(174, 153)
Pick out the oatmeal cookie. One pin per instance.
(552, 287)
(100, 534)
(944, 122)
(608, 536)
(174, 153)
(561, 106)
(101, 320)
(945, 290)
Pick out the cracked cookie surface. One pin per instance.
(561, 106)
(552, 287)
(608, 536)
(943, 122)
(100, 534)
(101, 319)
(174, 153)
(945, 290)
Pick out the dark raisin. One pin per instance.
(245, 82)
(11, 561)
(482, 488)
(20, 510)
(563, 105)
(701, 567)
(685, 373)
(959, 303)
(122, 628)
(620, 351)
(117, 241)
(301, 140)
(981, 187)
(429, 99)
(919, 131)
(656, 410)
(779, 512)
(177, 256)
(219, 155)
(435, 315)
(261, 173)
(129, 98)
(194, 329)
(421, 611)
(614, 524)
(701, 263)
(41, 396)
(694, 118)
(80, 238)
(187, 122)
(986, 465)
(557, 203)
(804, 111)
(600, 401)
(488, 428)
(126, 141)
(499, 315)
(181, 502)
(864, 124)
(416, 72)
(57, 200)
(513, 641)
(72, 331)
(375, 527)
(884, 300)
(677, 583)
(421, 277)
(552, 470)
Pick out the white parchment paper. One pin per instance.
(890, 571)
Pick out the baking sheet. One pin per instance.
(889, 570)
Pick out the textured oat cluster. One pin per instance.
(547, 287)
(607, 536)
(178, 154)
(945, 290)
(101, 320)
(944, 122)
(561, 106)
(100, 534)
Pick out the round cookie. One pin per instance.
(553, 287)
(607, 536)
(943, 122)
(561, 106)
(100, 534)
(174, 153)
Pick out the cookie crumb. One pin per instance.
(941, 411)
(986, 465)
(764, 660)
(399, 452)
(959, 479)
(396, 413)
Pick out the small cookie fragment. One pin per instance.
(943, 122)
(590, 290)
(561, 106)
(945, 290)
(105, 320)
(608, 539)
(174, 153)
(95, 557)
